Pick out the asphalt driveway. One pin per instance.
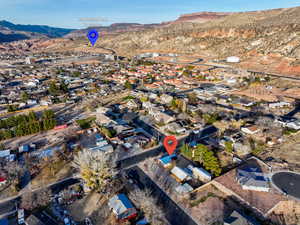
(288, 183)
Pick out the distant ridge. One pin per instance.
(14, 32)
(52, 32)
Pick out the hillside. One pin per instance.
(201, 17)
(14, 32)
(113, 29)
(264, 40)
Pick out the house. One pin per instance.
(294, 125)
(166, 161)
(237, 218)
(180, 175)
(101, 143)
(3, 181)
(291, 123)
(98, 137)
(279, 104)
(147, 105)
(162, 117)
(5, 154)
(250, 129)
(231, 80)
(166, 99)
(251, 178)
(132, 104)
(104, 148)
(153, 96)
(31, 102)
(175, 127)
(122, 207)
(33, 220)
(103, 119)
(24, 148)
(102, 110)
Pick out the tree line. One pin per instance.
(21, 125)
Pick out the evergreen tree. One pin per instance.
(128, 85)
(53, 89)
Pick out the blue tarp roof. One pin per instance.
(48, 152)
(167, 159)
(142, 222)
(98, 136)
(3, 221)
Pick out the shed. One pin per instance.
(184, 188)
(24, 148)
(180, 174)
(201, 174)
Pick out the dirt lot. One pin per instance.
(287, 212)
(93, 206)
(289, 151)
(49, 174)
(47, 138)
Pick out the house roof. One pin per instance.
(251, 176)
(179, 173)
(120, 204)
(184, 188)
(167, 159)
(4, 153)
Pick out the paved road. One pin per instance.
(288, 183)
(293, 112)
(7, 205)
(174, 213)
(46, 218)
(135, 159)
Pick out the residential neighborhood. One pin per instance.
(82, 142)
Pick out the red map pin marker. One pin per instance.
(170, 143)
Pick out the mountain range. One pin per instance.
(13, 32)
(264, 40)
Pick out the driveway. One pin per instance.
(288, 183)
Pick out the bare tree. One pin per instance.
(33, 200)
(148, 204)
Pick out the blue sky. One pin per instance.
(67, 13)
